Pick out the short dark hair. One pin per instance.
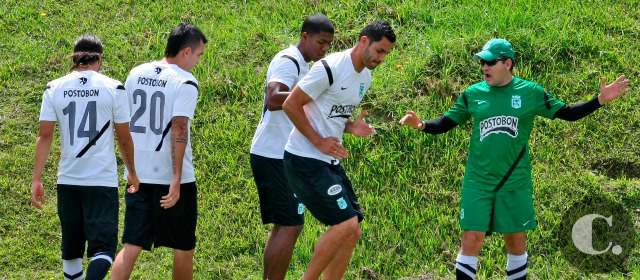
(86, 50)
(378, 29)
(317, 23)
(183, 36)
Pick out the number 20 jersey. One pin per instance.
(85, 104)
(158, 92)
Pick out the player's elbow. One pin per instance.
(46, 132)
(273, 106)
(45, 135)
(287, 106)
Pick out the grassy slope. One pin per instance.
(407, 182)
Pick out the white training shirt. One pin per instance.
(274, 127)
(331, 106)
(85, 104)
(157, 92)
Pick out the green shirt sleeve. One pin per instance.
(548, 105)
(459, 112)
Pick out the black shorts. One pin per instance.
(148, 225)
(278, 204)
(323, 188)
(88, 214)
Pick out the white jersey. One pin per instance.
(286, 67)
(85, 104)
(332, 105)
(157, 92)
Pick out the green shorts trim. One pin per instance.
(503, 211)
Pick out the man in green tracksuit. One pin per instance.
(497, 186)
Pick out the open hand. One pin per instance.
(412, 120)
(612, 91)
(359, 127)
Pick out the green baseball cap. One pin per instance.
(496, 48)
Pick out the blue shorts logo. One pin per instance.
(300, 208)
(342, 204)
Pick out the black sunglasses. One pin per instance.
(491, 62)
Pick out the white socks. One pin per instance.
(517, 266)
(466, 267)
(72, 269)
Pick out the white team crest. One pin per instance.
(516, 101)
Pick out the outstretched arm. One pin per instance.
(359, 127)
(607, 94)
(435, 126)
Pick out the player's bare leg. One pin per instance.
(183, 264)
(517, 258)
(472, 243)
(278, 251)
(516, 243)
(467, 260)
(338, 266)
(338, 242)
(123, 265)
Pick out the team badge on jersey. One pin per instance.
(516, 101)
(499, 124)
(83, 80)
(361, 92)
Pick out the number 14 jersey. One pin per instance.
(85, 104)
(158, 92)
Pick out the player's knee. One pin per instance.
(291, 231)
(130, 251)
(472, 239)
(183, 254)
(357, 233)
(353, 229)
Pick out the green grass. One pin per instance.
(408, 183)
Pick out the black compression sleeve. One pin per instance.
(439, 125)
(578, 111)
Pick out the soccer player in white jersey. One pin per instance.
(88, 106)
(162, 96)
(320, 107)
(278, 205)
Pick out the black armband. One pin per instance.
(439, 125)
(578, 111)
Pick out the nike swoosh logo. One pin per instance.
(525, 223)
(343, 88)
(481, 101)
